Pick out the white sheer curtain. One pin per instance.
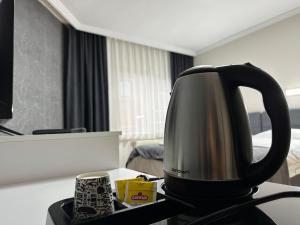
(139, 89)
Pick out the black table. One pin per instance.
(280, 212)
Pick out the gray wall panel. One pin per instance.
(38, 69)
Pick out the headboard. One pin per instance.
(260, 121)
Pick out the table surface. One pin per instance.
(27, 204)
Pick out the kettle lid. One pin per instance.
(210, 68)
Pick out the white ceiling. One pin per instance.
(186, 26)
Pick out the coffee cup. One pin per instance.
(93, 195)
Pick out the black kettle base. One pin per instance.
(200, 192)
(204, 200)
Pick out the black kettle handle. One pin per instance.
(276, 107)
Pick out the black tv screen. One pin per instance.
(6, 57)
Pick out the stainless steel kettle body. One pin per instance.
(198, 134)
(208, 149)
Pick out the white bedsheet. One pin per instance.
(262, 142)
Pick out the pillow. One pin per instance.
(146, 142)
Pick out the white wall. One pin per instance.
(275, 49)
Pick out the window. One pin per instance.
(139, 89)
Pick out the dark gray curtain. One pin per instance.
(85, 81)
(179, 63)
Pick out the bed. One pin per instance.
(147, 156)
(261, 129)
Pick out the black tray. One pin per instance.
(61, 212)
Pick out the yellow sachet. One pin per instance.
(121, 185)
(140, 192)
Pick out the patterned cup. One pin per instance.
(93, 195)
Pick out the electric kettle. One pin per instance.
(208, 146)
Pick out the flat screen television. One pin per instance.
(6, 57)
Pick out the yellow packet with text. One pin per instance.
(121, 186)
(140, 192)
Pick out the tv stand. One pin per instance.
(9, 131)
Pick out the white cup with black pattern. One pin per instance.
(93, 196)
